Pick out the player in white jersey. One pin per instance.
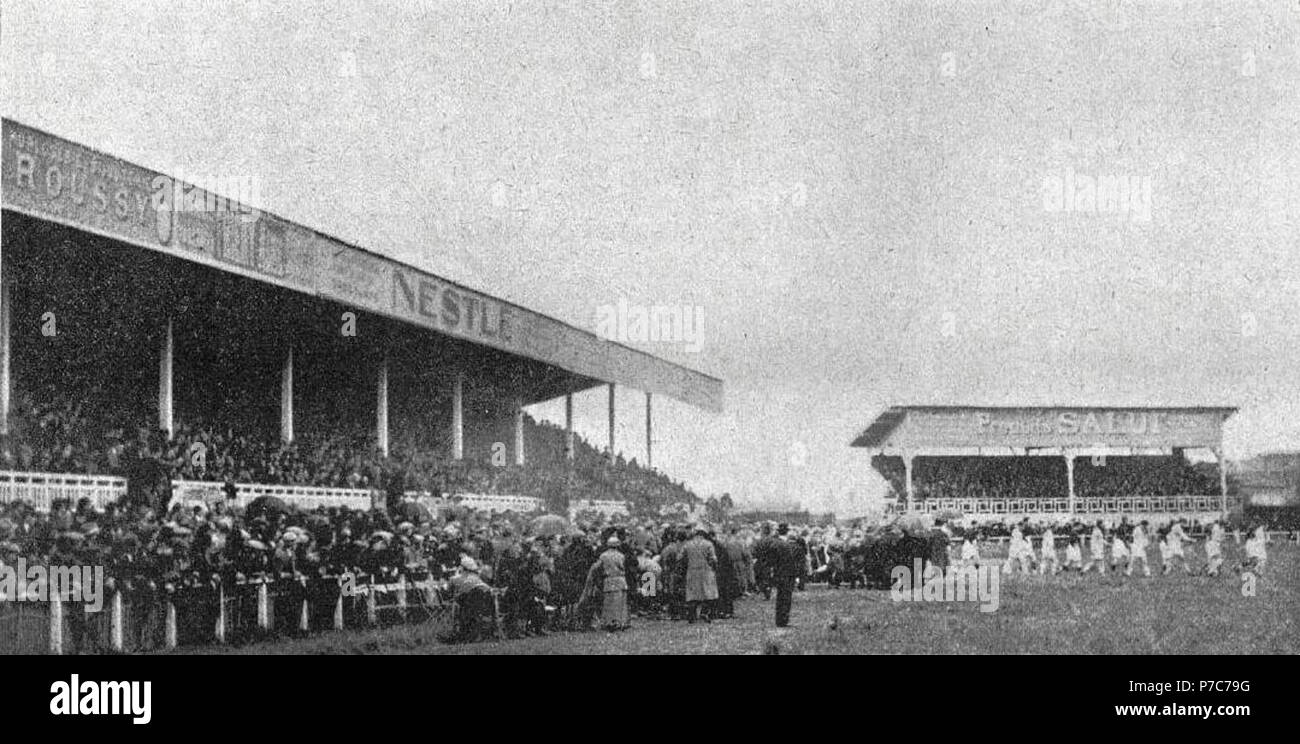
(1138, 550)
(1096, 550)
(1173, 548)
(1048, 552)
(1257, 550)
(970, 551)
(1074, 554)
(1018, 550)
(1214, 550)
(1118, 552)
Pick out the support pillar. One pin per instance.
(165, 398)
(649, 433)
(519, 431)
(611, 422)
(1069, 475)
(286, 398)
(381, 405)
(568, 427)
(4, 354)
(458, 417)
(1223, 482)
(907, 469)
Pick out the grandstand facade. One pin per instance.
(998, 463)
(141, 314)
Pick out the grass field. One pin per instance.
(1036, 615)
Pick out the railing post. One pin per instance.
(372, 615)
(115, 618)
(263, 606)
(401, 596)
(169, 625)
(56, 623)
(220, 630)
(338, 604)
(304, 616)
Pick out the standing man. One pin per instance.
(788, 566)
(1048, 553)
(1138, 550)
(764, 549)
(1214, 550)
(1096, 550)
(699, 561)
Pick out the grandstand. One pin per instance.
(1270, 488)
(153, 333)
(996, 464)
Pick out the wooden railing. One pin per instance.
(42, 489)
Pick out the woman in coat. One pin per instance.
(699, 560)
(611, 571)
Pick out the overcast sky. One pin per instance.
(864, 200)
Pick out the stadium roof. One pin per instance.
(50, 178)
(879, 433)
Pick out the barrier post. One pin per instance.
(169, 629)
(372, 615)
(115, 621)
(263, 606)
(304, 616)
(56, 624)
(220, 630)
(338, 605)
(401, 596)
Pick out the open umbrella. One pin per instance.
(916, 525)
(263, 505)
(415, 512)
(549, 525)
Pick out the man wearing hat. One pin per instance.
(764, 551)
(787, 566)
(467, 579)
(699, 560)
(475, 613)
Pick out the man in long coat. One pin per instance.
(764, 554)
(728, 579)
(699, 561)
(788, 566)
(673, 574)
(738, 552)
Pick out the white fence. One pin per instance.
(306, 497)
(41, 489)
(498, 503)
(607, 507)
(1142, 507)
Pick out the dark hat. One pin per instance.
(782, 528)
